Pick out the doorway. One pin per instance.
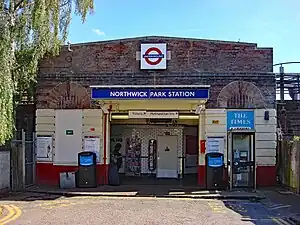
(243, 155)
(167, 157)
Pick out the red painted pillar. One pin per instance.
(201, 158)
(201, 167)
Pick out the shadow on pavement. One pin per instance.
(277, 208)
(28, 196)
(252, 211)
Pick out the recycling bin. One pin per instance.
(86, 176)
(214, 170)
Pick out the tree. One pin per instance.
(29, 29)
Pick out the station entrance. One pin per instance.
(153, 129)
(156, 151)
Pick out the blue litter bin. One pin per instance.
(86, 174)
(214, 170)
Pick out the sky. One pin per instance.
(269, 23)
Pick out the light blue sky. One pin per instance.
(270, 23)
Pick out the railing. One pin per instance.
(288, 84)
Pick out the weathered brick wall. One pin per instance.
(192, 62)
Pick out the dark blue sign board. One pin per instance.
(113, 93)
(215, 161)
(240, 119)
(86, 160)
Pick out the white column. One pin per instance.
(201, 137)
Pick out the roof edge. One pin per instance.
(163, 37)
(150, 86)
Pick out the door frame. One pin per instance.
(158, 154)
(230, 155)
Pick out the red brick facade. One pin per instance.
(193, 61)
(237, 72)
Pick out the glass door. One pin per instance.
(243, 160)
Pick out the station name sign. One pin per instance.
(98, 93)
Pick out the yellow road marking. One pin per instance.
(17, 214)
(216, 207)
(238, 208)
(57, 204)
(139, 198)
(280, 221)
(9, 215)
(280, 207)
(284, 222)
(276, 221)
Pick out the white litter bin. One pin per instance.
(67, 180)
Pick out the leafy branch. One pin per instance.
(28, 31)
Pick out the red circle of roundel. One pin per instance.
(154, 49)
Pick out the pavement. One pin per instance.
(139, 205)
(163, 191)
(284, 200)
(34, 208)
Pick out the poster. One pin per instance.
(133, 156)
(92, 144)
(215, 144)
(44, 148)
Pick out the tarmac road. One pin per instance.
(44, 209)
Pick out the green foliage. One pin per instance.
(29, 29)
(296, 138)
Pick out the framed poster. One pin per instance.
(133, 156)
(92, 144)
(215, 144)
(44, 148)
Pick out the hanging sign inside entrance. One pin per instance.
(241, 119)
(152, 115)
(154, 56)
(112, 93)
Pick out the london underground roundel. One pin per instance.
(153, 56)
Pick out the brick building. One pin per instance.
(79, 91)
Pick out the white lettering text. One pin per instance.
(140, 94)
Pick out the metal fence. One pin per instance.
(23, 160)
(288, 163)
(288, 86)
(4, 169)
